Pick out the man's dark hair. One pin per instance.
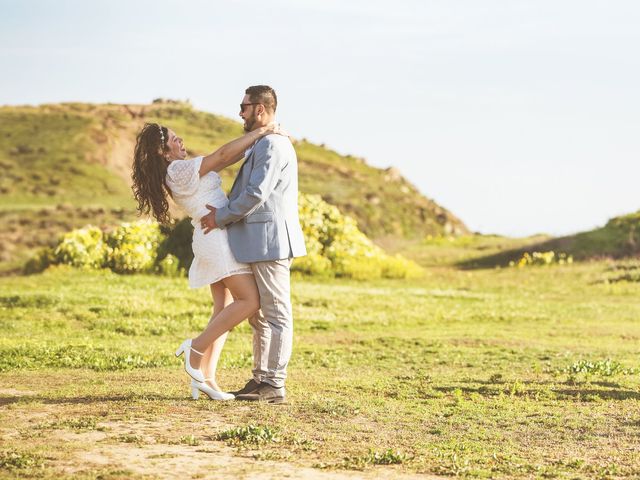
(263, 94)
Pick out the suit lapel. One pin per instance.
(241, 172)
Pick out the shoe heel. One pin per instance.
(180, 350)
(195, 393)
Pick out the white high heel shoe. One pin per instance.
(186, 348)
(212, 393)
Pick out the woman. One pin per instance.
(160, 169)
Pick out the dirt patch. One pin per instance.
(153, 451)
(16, 393)
(173, 445)
(119, 157)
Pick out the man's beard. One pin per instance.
(249, 123)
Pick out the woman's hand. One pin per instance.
(274, 128)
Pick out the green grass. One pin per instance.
(441, 251)
(501, 373)
(50, 155)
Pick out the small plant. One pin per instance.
(270, 455)
(542, 258)
(450, 463)
(516, 388)
(336, 409)
(251, 434)
(13, 460)
(605, 368)
(458, 396)
(190, 440)
(388, 457)
(130, 438)
(88, 423)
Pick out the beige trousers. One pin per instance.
(273, 324)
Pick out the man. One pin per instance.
(262, 222)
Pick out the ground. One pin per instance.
(499, 373)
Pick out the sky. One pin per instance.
(520, 117)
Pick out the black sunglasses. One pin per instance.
(243, 105)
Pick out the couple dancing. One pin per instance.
(243, 245)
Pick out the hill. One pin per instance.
(65, 165)
(619, 238)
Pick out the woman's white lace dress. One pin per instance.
(213, 259)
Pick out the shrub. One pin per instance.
(134, 247)
(84, 247)
(335, 246)
(313, 264)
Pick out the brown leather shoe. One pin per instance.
(250, 387)
(265, 393)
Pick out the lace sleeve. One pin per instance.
(183, 176)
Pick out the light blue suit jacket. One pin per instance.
(261, 217)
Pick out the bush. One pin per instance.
(134, 247)
(313, 264)
(130, 248)
(84, 247)
(336, 246)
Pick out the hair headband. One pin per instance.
(161, 136)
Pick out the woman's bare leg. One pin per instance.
(246, 302)
(221, 299)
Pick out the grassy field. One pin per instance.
(473, 371)
(497, 373)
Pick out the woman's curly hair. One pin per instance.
(150, 171)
